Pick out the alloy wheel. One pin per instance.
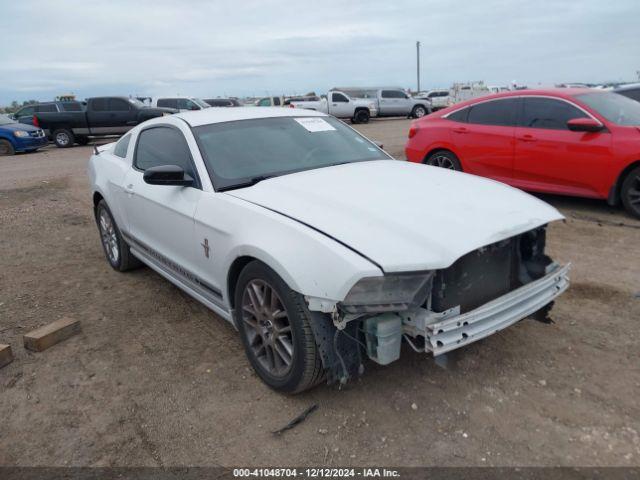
(633, 193)
(420, 112)
(109, 237)
(62, 139)
(267, 326)
(442, 161)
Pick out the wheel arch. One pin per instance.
(614, 192)
(440, 148)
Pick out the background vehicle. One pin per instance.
(631, 91)
(18, 137)
(273, 218)
(340, 105)
(395, 103)
(580, 142)
(437, 98)
(223, 102)
(25, 114)
(102, 116)
(461, 92)
(269, 102)
(179, 103)
(304, 98)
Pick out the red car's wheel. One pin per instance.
(444, 159)
(631, 192)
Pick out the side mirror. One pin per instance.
(584, 125)
(167, 175)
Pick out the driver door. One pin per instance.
(340, 106)
(160, 217)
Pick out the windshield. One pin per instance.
(5, 120)
(615, 108)
(137, 102)
(238, 152)
(201, 103)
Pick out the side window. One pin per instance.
(186, 104)
(459, 116)
(120, 150)
(26, 111)
(496, 112)
(168, 103)
(338, 97)
(72, 107)
(118, 105)
(276, 101)
(265, 102)
(47, 107)
(99, 105)
(163, 146)
(548, 113)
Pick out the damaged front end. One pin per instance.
(483, 292)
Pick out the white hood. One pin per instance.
(403, 216)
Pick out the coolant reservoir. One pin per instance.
(384, 336)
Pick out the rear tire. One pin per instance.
(274, 325)
(6, 148)
(115, 248)
(444, 159)
(361, 116)
(63, 138)
(630, 192)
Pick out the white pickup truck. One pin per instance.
(341, 105)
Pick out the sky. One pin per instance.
(210, 48)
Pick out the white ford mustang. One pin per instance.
(318, 246)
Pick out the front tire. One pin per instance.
(115, 248)
(361, 116)
(444, 159)
(419, 111)
(274, 325)
(63, 138)
(6, 148)
(630, 192)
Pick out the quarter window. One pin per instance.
(496, 112)
(163, 146)
(120, 150)
(459, 116)
(548, 113)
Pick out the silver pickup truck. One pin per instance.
(395, 103)
(341, 105)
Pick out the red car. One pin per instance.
(570, 141)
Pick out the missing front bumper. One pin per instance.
(449, 330)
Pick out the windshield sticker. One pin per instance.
(313, 124)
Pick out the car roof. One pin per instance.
(220, 115)
(566, 93)
(628, 86)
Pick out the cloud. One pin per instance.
(280, 46)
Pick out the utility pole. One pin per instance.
(418, 63)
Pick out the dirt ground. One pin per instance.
(157, 379)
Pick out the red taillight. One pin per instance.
(413, 130)
(35, 121)
(291, 105)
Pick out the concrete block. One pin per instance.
(6, 355)
(47, 336)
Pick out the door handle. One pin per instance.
(129, 189)
(527, 138)
(460, 130)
